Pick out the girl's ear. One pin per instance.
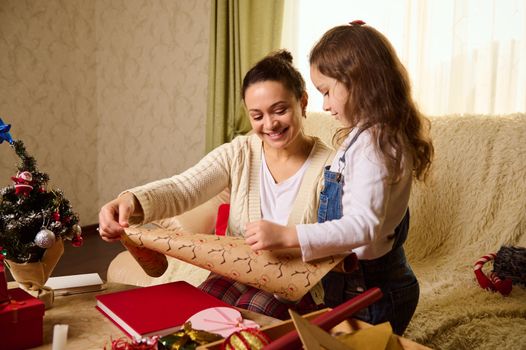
(304, 102)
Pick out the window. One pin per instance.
(463, 56)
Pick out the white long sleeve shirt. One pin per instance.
(372, 206)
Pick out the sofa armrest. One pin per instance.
(125, 269)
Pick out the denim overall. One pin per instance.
(391, 272)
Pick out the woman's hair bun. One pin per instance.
(283, 54)
(276, 66)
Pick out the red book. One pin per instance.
(155, 310)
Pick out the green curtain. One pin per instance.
(241, 33)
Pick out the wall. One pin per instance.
(105, 94)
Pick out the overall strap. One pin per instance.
(341, 161)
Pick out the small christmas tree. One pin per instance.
(31, 217)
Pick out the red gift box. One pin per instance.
(21, 321)
(3, 281)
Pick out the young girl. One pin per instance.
(383, 144)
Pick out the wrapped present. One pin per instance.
(284, 336)
(221, 320)
(187, 338)
(21, 321)
(4, 297)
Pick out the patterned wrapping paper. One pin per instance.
(281, 272)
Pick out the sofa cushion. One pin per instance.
(473, 202)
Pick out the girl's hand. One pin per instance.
(266, 235)
(114, 216)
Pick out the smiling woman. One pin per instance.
(273, 174)
(275, 116)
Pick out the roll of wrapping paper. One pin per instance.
(152, 262)
(281, 272)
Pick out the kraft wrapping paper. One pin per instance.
(33, 276)
(281, 272)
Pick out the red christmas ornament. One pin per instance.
(77, 241)
(56, 216)
(148, 343)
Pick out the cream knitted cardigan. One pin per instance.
(236, 166)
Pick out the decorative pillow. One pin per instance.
(510, 262)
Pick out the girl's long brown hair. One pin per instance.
(362, 59)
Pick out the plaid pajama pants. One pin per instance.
(253, 299)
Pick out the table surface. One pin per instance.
(88, 328)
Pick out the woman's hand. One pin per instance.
(266, 235)
(114, 216)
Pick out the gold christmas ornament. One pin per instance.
(246, 339)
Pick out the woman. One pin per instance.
(274, 174)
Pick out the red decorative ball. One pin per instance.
(246, 339)
(56, 216)
(77, 241)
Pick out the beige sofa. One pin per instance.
(473, 202)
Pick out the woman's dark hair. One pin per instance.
(276, 66)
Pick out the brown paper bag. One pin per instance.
(33, 276)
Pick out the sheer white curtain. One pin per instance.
(463, 56)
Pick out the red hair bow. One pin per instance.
(357, 22)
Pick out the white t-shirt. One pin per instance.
(277, 199)
(372, 206)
